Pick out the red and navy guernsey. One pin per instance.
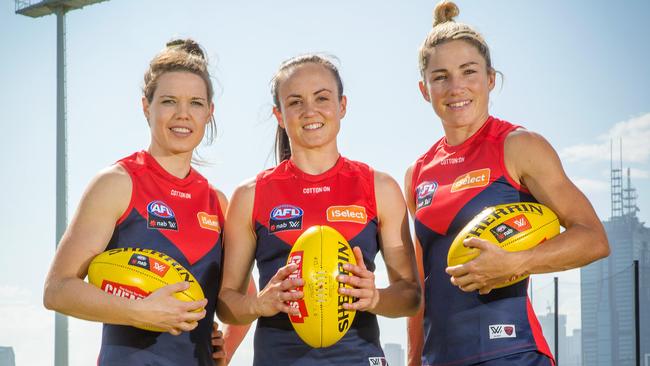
(183, 219)
(289, 201)
(451, 184)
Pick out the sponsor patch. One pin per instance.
(353, 213)
(285, 217)
(424, 193)
(473, 179)
(519, 222)
(207, 221)
(161, 216)
(118, 289)
(148, 263)
(502, 331)
(316, 190)
(296, 258)
(377, 361)
(503, 232)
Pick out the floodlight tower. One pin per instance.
(36, 9)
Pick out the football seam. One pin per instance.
(147, 275)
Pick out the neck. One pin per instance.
(315, 161)
(178, 165)
(457, 134)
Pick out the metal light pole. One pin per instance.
(36, 9)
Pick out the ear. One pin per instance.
(278, 115)
(211, 112)
(492, 77)
(344, 106)
(145, 108)
(424, 91)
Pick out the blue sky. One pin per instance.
(575, 71)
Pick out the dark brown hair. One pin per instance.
(180, 55)
(282, 146)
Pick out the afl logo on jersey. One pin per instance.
(285, 217)
(160, 216)
(424, 193)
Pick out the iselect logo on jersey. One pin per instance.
(285, 217)
(473, 179)
(353, 213)
(161, 216)
(207, 221)
(424, 193)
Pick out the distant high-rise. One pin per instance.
(7, 357)
(394, 354)
(607, 286)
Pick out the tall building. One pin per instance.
(7, 357)
(394, 354)
(547, 321)
(607, 286)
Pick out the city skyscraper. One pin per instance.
(607, 286)
(394, 354)
(7, 357)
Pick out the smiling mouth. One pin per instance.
(459, 105)
(181, 130)
(313, 126)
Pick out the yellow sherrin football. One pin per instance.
(320, 253)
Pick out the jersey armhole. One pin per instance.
(129, 208)
(502, 160)
(258, 180)
(414, 175)
(373, 197)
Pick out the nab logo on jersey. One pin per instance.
(285, 217)
(161, 216)
(424, 194)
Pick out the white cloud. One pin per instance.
(635, 133)
(14, 295)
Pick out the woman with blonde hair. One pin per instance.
(465, 320)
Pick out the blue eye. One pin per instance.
(440, 78)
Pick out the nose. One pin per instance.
(182, 110)
(456, 85)
(309, 108)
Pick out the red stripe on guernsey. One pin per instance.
(289, 201)
(451, 176)
(540, 341)
(181, 198)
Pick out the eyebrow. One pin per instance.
(300, 96)
(467, 64)
(174, 97)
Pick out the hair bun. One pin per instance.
(444, 12)
(187, 45)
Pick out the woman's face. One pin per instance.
(457, 83)
(178, 112)
(310, 109)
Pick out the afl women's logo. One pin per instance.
(161, 216)
(285, 217)
(424, 193)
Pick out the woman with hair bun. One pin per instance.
(313, 180)
(465, 320)
(113, 213)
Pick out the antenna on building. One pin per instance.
(629, 198)
(616, 178)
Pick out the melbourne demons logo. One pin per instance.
(424, 193)
(285, 217)
(161, 216)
